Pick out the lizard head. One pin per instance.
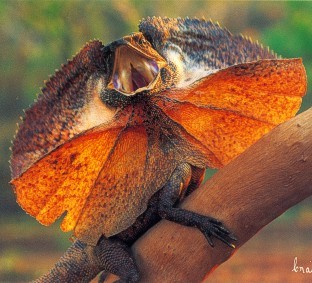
(136, 67)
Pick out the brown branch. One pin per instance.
(263, 182)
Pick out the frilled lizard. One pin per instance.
(124, 131)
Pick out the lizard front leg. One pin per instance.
(169, 198)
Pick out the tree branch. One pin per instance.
(258, 186)
(271, 176)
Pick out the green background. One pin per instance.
(36, 37)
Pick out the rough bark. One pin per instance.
(263, 182)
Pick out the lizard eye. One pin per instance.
(133, 71)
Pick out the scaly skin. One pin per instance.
(83, 262)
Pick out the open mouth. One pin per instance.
(133, 71)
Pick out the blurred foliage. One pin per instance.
(36, 37)
(292, 37)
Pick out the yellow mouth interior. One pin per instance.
(133, 71)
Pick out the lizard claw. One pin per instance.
(211, 227)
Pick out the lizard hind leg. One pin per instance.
(115, 257)
(169, 199)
